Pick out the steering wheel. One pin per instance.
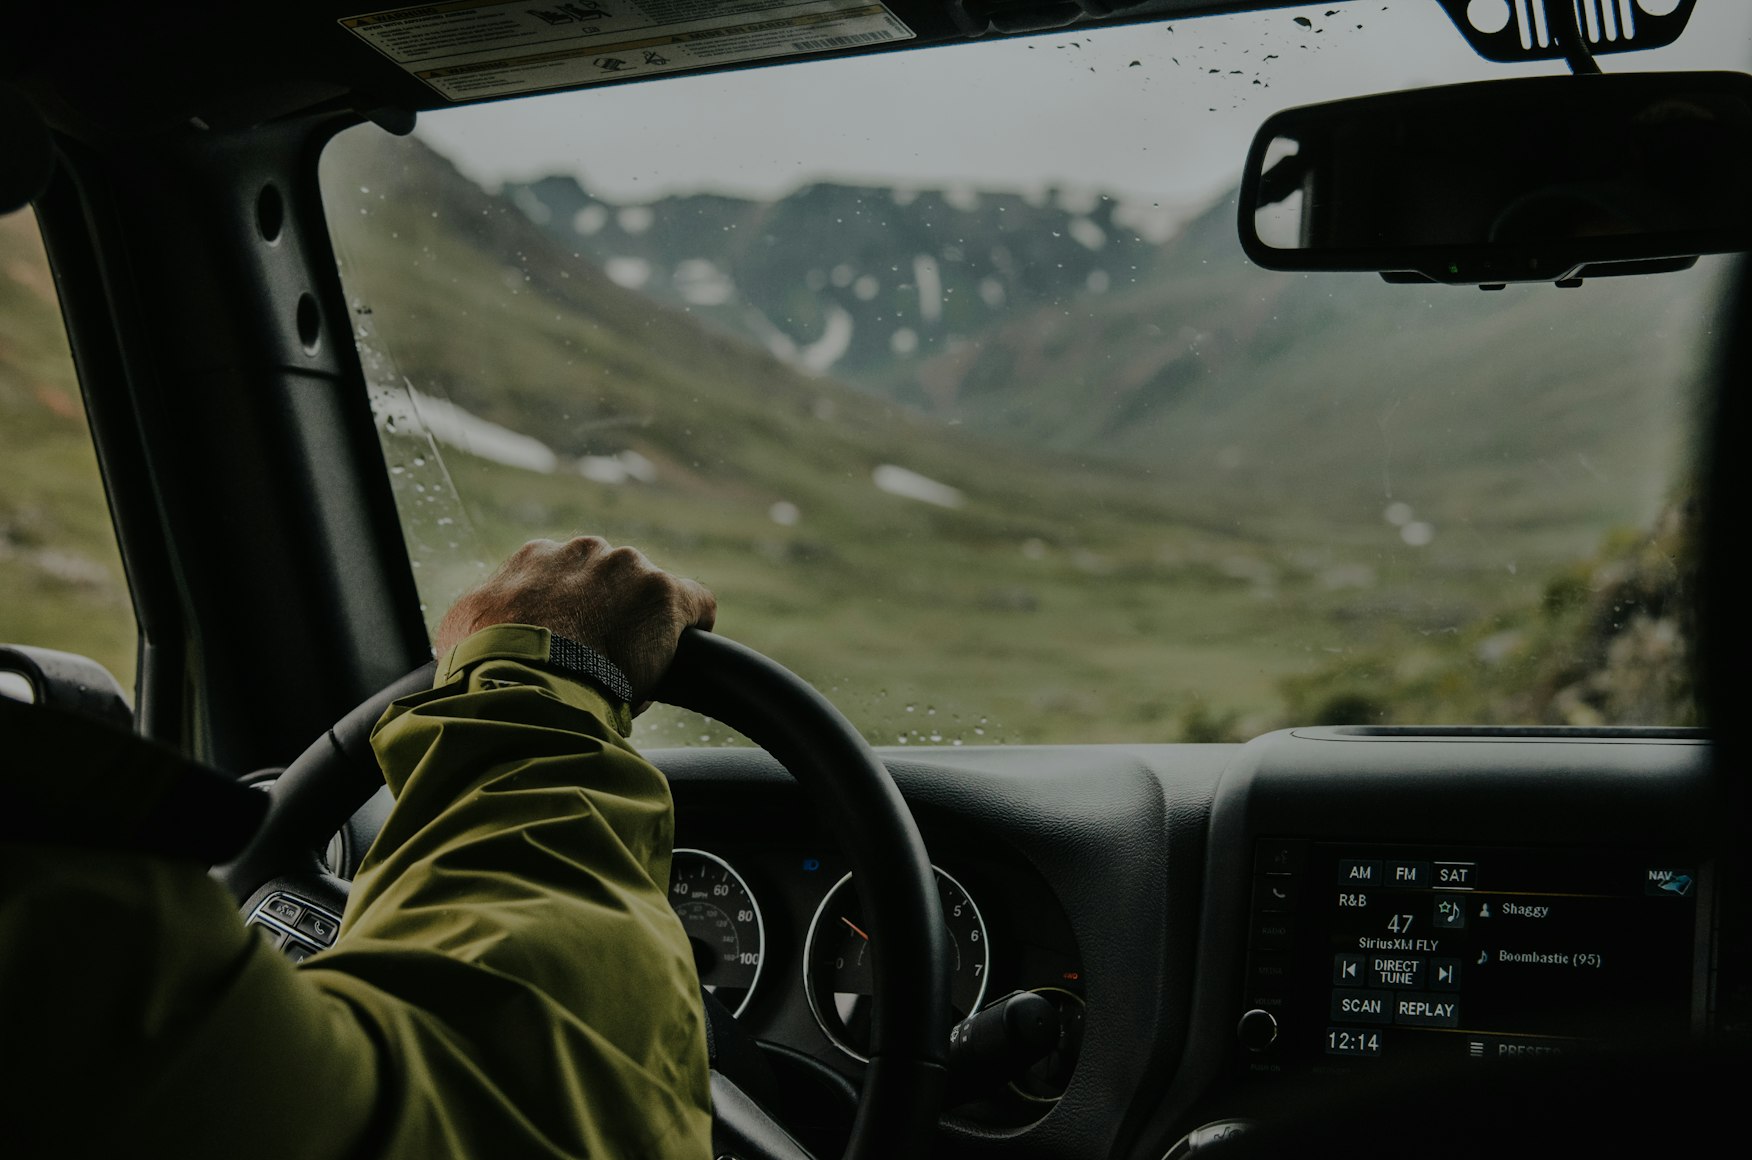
(849, 787)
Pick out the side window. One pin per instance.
(61, 579)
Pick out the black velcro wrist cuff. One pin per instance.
(586, 664)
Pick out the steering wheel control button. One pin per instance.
(1362, 1006)
(1257, 1030)
(273, 934)
(284, 909)
(280, 915)
(318, 926)
(297, 951)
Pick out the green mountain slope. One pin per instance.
(1292, 400)
(1188, 588)
(61, 582)
(1327, 396)
(1172, 591)
(1045, 567)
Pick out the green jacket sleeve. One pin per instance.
(509, 931)
(508, 981)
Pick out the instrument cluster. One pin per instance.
(778, 937)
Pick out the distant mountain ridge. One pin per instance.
(1095, 326)
(837, 278)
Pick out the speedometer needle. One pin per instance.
(854, 927)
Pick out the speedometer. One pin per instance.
(723, 924)
(837, 976)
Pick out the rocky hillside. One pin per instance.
(1100, 327)
(843, 279)
(1609, 641)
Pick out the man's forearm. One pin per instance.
(509, 980)
(516, 900)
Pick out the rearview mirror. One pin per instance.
(1531, 180)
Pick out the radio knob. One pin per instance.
(1257, 1030)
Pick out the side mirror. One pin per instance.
(1529, 180)
(43, 676)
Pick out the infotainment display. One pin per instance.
(1362, 952)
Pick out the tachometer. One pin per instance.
(723, 924)
(837, 969)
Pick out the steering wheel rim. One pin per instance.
(845, 780)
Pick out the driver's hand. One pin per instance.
(611, 599)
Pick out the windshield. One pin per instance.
(945, 370)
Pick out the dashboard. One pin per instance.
(1215, 927)
(1316, 906)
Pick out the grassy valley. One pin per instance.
(1185, 507)
(61, 582)
(1186, 587)
(888, 600)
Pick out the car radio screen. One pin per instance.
(1374, 952)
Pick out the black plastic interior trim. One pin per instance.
(1520, 732)
(75, 219)
(257, 469)
(1118, 831)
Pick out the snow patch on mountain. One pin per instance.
(820, 355)
(779, 344)
(962, 197)
(454, 427)
(929, 283)
(1086, 233)
(533, 207)
(909, 484)
(633, 273)
(616, 469)
(701, 283)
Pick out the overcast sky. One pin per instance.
(1069, 109)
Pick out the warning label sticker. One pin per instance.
(469, 50)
